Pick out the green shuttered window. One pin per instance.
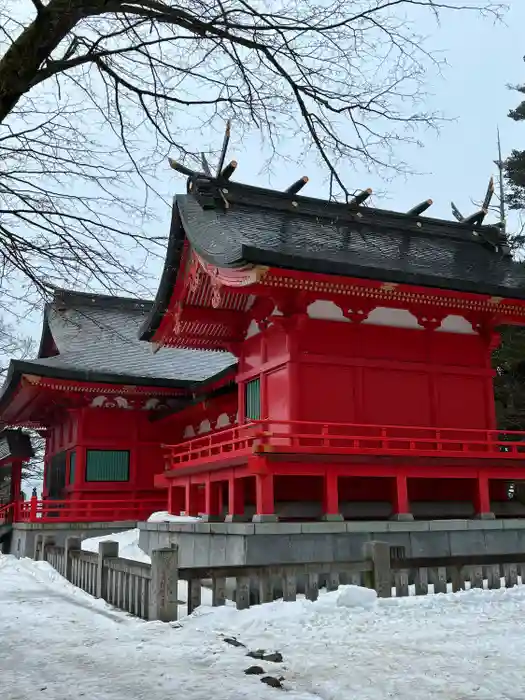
(107, 465)
(72, 462)
(253, 399)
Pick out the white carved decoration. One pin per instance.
(204, 427)
(222, 421)
(189, 432)
(326, 310)
(397, 318)
(151, 404)
(456, 324)
(98, 402)
(110, 402)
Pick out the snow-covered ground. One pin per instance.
(59, 643)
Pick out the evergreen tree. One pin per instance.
(509, 358)
(515, 163)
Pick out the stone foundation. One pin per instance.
(236, 544)
(24, 534)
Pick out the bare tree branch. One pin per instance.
(95, 93)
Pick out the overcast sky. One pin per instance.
(483, 58)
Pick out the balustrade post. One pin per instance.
(106, 550)
(73, 544)
(47, 541)
(164, 584)
(33, 505)
(381, 579)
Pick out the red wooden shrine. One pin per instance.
(302, 359)
(363, 341)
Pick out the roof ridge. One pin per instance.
(72, 298)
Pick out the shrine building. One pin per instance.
(363, 340)
(95, 393)
(303, 359)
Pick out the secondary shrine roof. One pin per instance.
(91, 337)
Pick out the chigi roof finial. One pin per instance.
(223, 172)
(476, 219)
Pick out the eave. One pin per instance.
(27, 397)
(209, 327)
(30, 386)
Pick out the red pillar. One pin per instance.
(235, 499)
(331, 497)
(212, 498)
(401, 506)
(176, 500)
(192, 499)
(482, 498)
(264, 499)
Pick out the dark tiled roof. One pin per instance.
(289, 231)
(98, 335)
(15, 443)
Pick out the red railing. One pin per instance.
(347, 438)
(51, 511)
(234, 440)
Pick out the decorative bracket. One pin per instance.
(358, 313)
(429, 321)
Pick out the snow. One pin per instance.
(128, 545)
(162, 516)
(59, 643)
(356, 597)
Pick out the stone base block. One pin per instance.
(333, 518)
(265, 518)
(237, 519)
(402, 517)
(485, 516)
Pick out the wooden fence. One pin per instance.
(150, 591)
